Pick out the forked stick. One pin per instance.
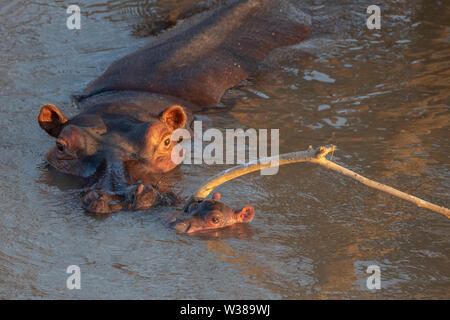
(315, 156)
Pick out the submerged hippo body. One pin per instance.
(130, 111)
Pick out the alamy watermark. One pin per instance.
(374, 20)
(228, 148)
(373, 282)
(74, 280)
(74, 20)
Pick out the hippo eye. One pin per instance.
(60, 146)
(215, 220)
(167, 142)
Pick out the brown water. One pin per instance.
(381, 96)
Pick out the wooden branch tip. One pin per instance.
(324, 150)
(316, 156)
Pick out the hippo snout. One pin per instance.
(181, 226)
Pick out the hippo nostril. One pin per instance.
(181, 227)
(93, 195)
(59, 146)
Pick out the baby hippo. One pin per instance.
(210, 214)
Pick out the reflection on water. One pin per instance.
(381, 96)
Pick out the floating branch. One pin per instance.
(316, 156)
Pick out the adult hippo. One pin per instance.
(123, 133)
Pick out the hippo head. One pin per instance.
(130, 146)
(211, 214)
(88, 139)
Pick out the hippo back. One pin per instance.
(200, 60)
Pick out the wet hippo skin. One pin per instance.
(210, 214)
(123, 132)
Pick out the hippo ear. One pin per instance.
(51, 120)
(174, 117)
(246, 214)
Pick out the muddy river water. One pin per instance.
(381, 96)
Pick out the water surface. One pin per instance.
(381, 96)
